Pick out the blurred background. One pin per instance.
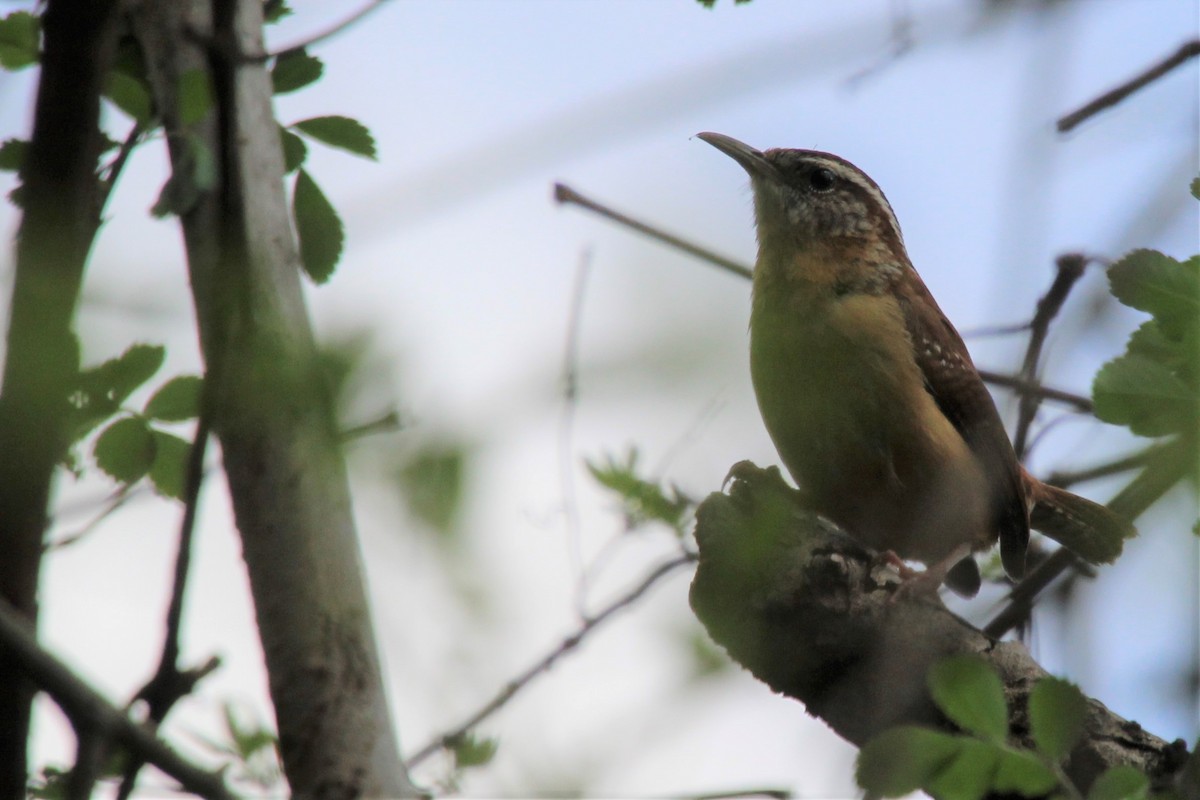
(465, 292)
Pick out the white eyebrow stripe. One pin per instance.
(856, 176)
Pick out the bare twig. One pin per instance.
(388, 422)
(566, 195)
(1111, 98)
(775, 794)
(1017, 384)
(1164, 468)
(317, 38)
(1070, 270)
(90, 711)
(568, 644)
(994, 330)
(1066, 478)
(112, 504)
(169, 683)
(109, 181)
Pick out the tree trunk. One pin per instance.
(61, 200)
(271, 410)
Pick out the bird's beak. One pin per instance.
(753, 161)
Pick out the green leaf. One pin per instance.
(1021, 772)
(125, 449)
(275, 10)
(1158, 284)
(969, 775)
(472, 752)
(195, 96)
(168, 472)
(176, 400)
(114, 380)
(1144, 395)
(1150, 342)
(343, 132)
(643, 500)
(970, 693)
(294, 70)
(432, 484)
(129, 94)
(1196, 188)
(247, 741)
(318, 227)
(18, 40)
(194, 174)
(12, 154)
(294, 150)
(1120, 783)
(902, 760)
(1057, 710)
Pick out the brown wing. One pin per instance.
(951, 379)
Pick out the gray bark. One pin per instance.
(271, 411)
(812, 614)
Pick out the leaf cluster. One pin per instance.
(1153, 388)
(979, 762)
(251, 750)
(133, 444)
(319, 228)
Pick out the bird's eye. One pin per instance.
(821, 179)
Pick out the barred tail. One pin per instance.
(1089, 529)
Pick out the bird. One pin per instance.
(869, 393)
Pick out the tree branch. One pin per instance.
(1022, 386)
(1069, 270)
(92, 715)
(814, 616)
(451, 737)
(169, 684)
(286, 474)
(565, 195)
(1165, 466)
(1109, 99)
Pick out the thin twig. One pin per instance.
(328, 33)
(87, 708)
(169, 683)
(775, 794)
(1067, 478)
(568, 644)
(1017, 384)
(118, 164)
(388, 422)
(1168, 465)
(1111, 98)
(566, 195)
(566, 430)
(113, 503)
(1070, 269)
(994, 330)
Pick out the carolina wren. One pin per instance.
(868, 391)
